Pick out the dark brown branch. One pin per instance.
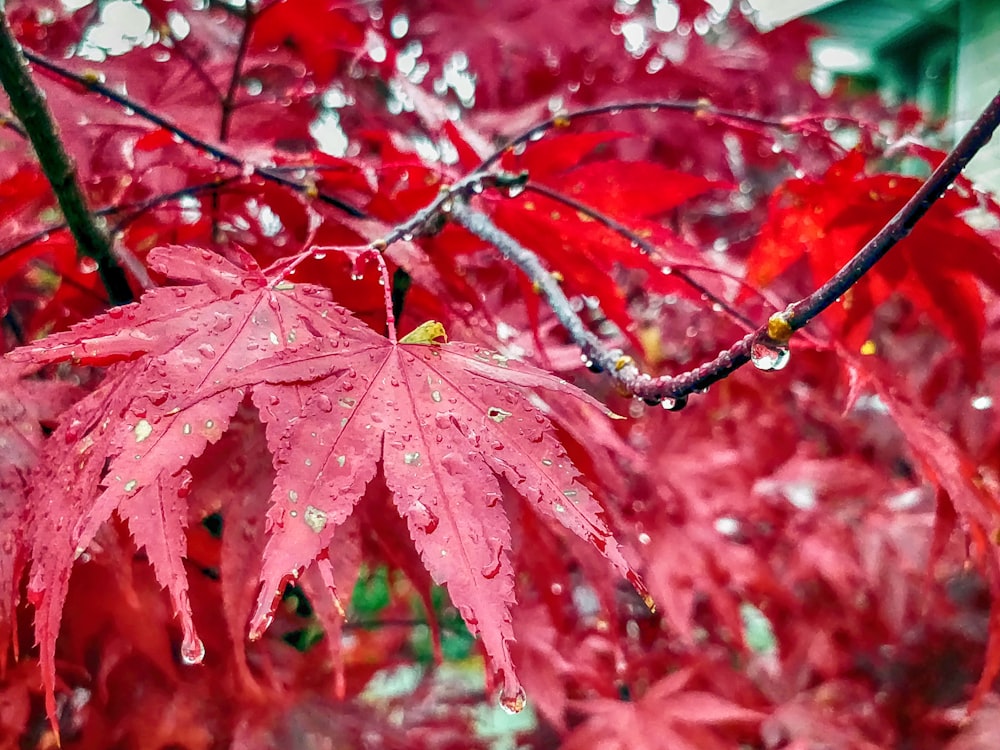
(672, 391)
(28, 103)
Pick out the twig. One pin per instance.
(29, 105)
(136, 208)
(701, 108)
(234, 82)
(773, 336)
(646, 247)
(8, 122)
(199, 143)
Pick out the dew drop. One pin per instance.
(258, 629)
(143, 429)
(674, 404)
(223, 322)
(491, 569)
(513, 703)
(497, 414)
(315, 518)
(207, 351)
(72, 433)
(768, 355)
(423, 517)
(323, 403)
(192, 650)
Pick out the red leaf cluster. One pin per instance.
(241, 512)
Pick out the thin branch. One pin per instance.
(773, 336)
(201, 144)
(179, 46)
(229, 100)
(29, 105)
(701, 108)
(646, 247)
(8, 122)
(137, 208)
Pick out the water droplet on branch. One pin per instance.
(674, 404)
(766, 354)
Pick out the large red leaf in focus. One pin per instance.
(336, 398)
(936, 267)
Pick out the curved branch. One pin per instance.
(672, 391)
(699, 108)
(900, 225)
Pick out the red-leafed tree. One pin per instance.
(343, 349)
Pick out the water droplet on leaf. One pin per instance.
(192, 650)
(423, 517)
(513, 703)
(491, 569)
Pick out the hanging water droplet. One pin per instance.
(767, 354)
(192, 650)
(674, 404)
(513, 703)
(515, 190)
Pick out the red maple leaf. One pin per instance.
(828, 220)
(445, 420)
